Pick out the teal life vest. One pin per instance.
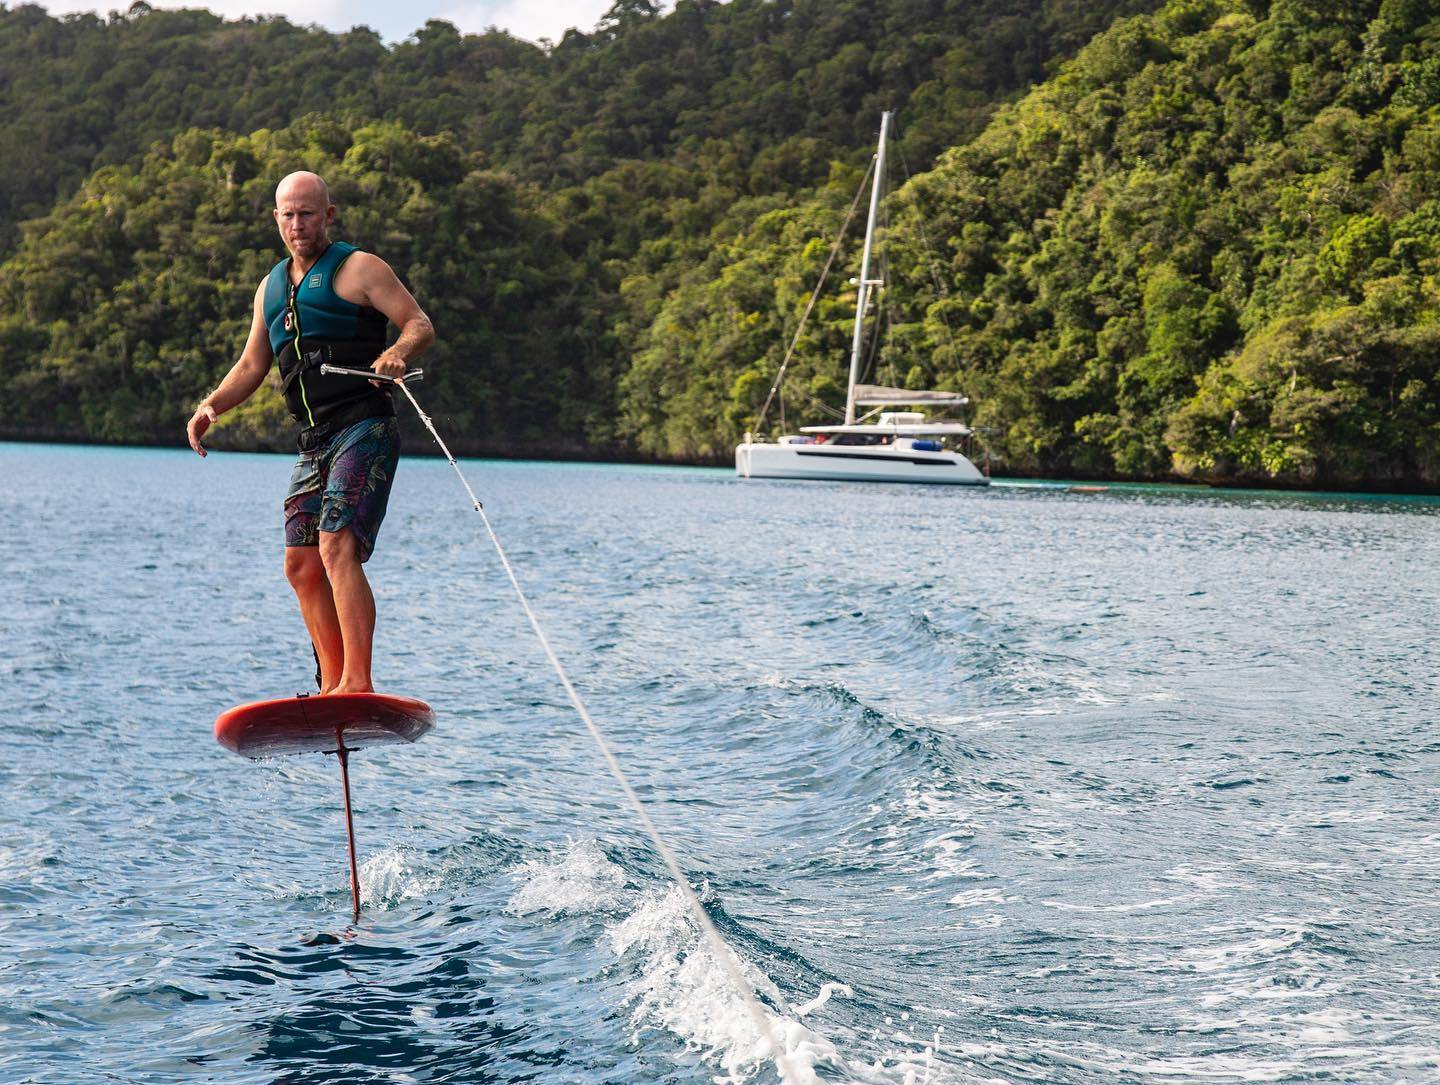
(310, 324)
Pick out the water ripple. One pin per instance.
(1014, 786)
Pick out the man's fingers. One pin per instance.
(199, 423)
(387, 367)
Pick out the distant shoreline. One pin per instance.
(1321, 487)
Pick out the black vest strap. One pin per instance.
(317, 354)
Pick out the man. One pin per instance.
(328, 302)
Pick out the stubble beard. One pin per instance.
(305, 247)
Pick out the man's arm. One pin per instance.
(386, 293)
(246, 375)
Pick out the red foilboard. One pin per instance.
(319, 724)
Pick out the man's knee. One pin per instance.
(303, 567)
(339, 548)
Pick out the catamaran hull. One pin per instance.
(855, 463)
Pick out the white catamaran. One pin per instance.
(900, 446)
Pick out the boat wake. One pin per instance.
(674, 984)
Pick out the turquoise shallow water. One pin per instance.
(1138, 786)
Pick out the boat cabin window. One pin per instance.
(860, 439)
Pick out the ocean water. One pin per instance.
(1022, 785)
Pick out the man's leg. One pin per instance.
(356, 492)
(353, 609)
(305, 570)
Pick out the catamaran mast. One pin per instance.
(863, 293)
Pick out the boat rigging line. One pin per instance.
(791, 1072)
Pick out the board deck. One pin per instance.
(319, 724)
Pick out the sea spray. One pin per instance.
(582, 882)
(391, 875)
(678, 986)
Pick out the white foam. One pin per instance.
(1132, 906)
(976, 897)
(1207, 881)
(679, 987)
(584, 881)
(683, 989)
(387, 877)
(824, 997)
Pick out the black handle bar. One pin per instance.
(370, 374)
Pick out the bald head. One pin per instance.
(302, 184)
(303, 212)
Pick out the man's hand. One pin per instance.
(200, 421)
(389, 364)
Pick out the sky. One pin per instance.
(529, 19)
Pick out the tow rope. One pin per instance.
(792, 1072)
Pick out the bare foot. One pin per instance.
(352, 687)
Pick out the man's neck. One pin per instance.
(299, 265)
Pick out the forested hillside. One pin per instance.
(1204, 245)
(515, 187)
(1211, 245)
(81, 92)
(1207, 246)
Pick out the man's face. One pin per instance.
(304, 220)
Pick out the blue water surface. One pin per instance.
(1041, 785)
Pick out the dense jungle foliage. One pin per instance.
(1204, 245)
(1208, 246)
(515, 187)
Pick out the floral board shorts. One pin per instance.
(344, 483)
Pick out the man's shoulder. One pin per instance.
(271, 280)
(360, 257)
(363, 265)
(275, 272)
